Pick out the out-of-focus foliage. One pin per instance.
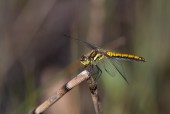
(34, 54)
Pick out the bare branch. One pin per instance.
(95, 97)
(84, 75)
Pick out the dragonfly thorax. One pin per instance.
(93, 53)
(92, 58)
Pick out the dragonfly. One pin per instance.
(107, 60)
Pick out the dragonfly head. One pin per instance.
(85, 60)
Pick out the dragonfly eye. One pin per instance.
(84, 60)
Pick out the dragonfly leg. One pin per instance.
(93, 69)
(99, 72)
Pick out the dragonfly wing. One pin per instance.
(89, 45)
(119, 67)
(83, 42)
(112, 67)
(107, 66)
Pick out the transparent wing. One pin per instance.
(108, 67)
(83, 42)
(119, 67)
(88, 44)
(112, 67)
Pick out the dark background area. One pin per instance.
(36, 58)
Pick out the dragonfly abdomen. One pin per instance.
(125, 56)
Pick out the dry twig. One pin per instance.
(94, 93)
(84, 75)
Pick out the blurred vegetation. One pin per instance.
(36, 58)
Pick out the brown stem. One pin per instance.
(84, 75)
(95, 97)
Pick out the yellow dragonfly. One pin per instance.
(107, 60)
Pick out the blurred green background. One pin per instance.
(36, 58)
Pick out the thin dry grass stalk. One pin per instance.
(95, 97)
(84, 75)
